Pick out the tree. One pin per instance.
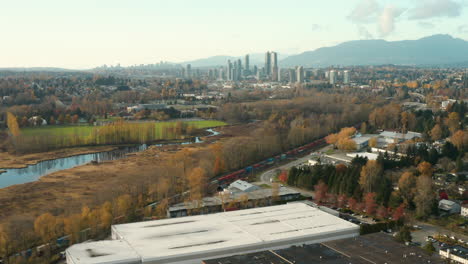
(197, 181)
(370, 176)
(406, 186)
(74, 119)
(67, 119)
(321, 190)
(363, 129)
(332, 139)
(373, 142)
(424, 199)
(399, 212)
(12, 124)
(429, 247)
(283, 176)
(459, 139)
(52, 121)
(404, 235)
(436, 132)
(4, 243)
(275, 190)
(453, 122)
(370, 205)
(44, 227)
(106, 215)
(123, 205)
(346, 144)
(61, 119)
(425, 168)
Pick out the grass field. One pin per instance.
(86, 129)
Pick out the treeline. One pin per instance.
(115, 133)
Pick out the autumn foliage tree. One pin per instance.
(12, 124)
(370, 176)
(436, 132)
(321, 190)
(460, 139)
(370, 203)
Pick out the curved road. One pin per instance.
(267, 176)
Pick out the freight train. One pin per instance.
(244, 173)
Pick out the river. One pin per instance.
(34, 172)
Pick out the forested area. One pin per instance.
(286, 123)
(115, 133)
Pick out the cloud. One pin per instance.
(463, 29)
(364, 33)
(426, 25)
(435, 8)
(365, 11)
(387, 19)
(316, 27)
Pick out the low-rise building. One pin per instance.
(395, 137)
(449, 207)
(464, 210)
(233, 199)
(195, 238)
(458, 254)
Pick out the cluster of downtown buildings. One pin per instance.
(238, 70)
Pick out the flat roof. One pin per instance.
(228, 233)
(233, 196)
(102, 252)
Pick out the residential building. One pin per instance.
(300, 74)
(346, 79)
(188, 71)
(268, 63)
(332, 77)
(464, 210)
(292, 76)
(229, 71)
(449, 207)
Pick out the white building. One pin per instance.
(449, 207)
(195, 238)
(346, 78)
(464, 210)
(332, 77)
(458, 254)
(395, 137)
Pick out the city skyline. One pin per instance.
(87, 34)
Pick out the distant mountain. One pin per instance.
(428, 51)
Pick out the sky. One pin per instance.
(81, 34)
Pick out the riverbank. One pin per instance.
(68, 190)
(12, 161)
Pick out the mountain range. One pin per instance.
(436, 50)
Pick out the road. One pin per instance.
(431, 230)
(268, 176)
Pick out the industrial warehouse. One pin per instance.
(193, 239)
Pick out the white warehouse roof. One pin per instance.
(191, 239)
(103, 252)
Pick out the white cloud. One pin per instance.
(316, 27)
(365, 11)
(435, 8)
(463, 29)
(387, 19)
(364, 33)
(426, 25)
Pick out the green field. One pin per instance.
(86, 129)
